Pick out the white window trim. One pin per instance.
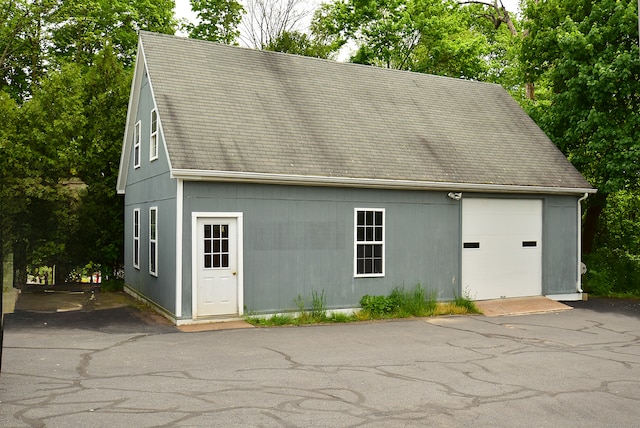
(136, 145)
(153, 148)
(355, 243)
(136, 237)
(153, 241)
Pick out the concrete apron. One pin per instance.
(519, 306)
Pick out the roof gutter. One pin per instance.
(308, 180)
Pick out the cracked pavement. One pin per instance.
(574, 368)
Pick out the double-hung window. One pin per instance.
(136, 145)
(136, 238)
(153, 155)
(153, 241)
(369, 242)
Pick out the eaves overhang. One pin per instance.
(306, 180)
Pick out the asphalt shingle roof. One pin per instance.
(226, 108)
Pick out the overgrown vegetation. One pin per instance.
(112, 285)
(400, 303)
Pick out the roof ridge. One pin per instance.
(373, 68)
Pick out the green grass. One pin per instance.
(400, 303)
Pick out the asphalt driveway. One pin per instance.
(578, 367)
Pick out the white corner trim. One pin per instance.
(179, 237)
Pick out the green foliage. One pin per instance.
(614, 267)
(415, 302)
(81, 29)
(318, 305)
(400, 303)
(339, 317)
(274, 320)
(429, 36)
(313, 313)
(612, 272)
(112, 286)
(218, 20)
(38, 37)
(297, 43)
(67, 65)
(378, 306)
(466, 303)
(588, 53)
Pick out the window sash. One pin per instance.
(153, 146)
(136, 145)
(153, 241)
(369, 237)
(136, 238)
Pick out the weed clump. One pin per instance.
(400, 303)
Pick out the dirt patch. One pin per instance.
(60, 300)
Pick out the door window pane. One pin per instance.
(216, 246)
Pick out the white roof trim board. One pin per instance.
(237, 114)
(243, 177)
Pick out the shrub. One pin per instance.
(466, 303)
(112, 285)
(611, 272)
(377, 305)
(415, 302)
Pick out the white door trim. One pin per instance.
(194, 251)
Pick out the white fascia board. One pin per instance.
(132, 109)
(304, 180)
(161, 139)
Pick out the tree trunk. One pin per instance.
(530, 91)
(594, 208)
(19, 265)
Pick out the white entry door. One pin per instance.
(216, 266)
(501, 248)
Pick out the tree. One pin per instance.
(218, 20)
(22, 56)
(430, 36)
(65, 76)
(587, 53)
(106, 95)
(43, 209)
(8, 117)
(81, 29)
(267, 20)
(298, 43)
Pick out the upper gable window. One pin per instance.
(369, 242)
(136, 145)
(153, 155)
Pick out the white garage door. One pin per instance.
(501, 248)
